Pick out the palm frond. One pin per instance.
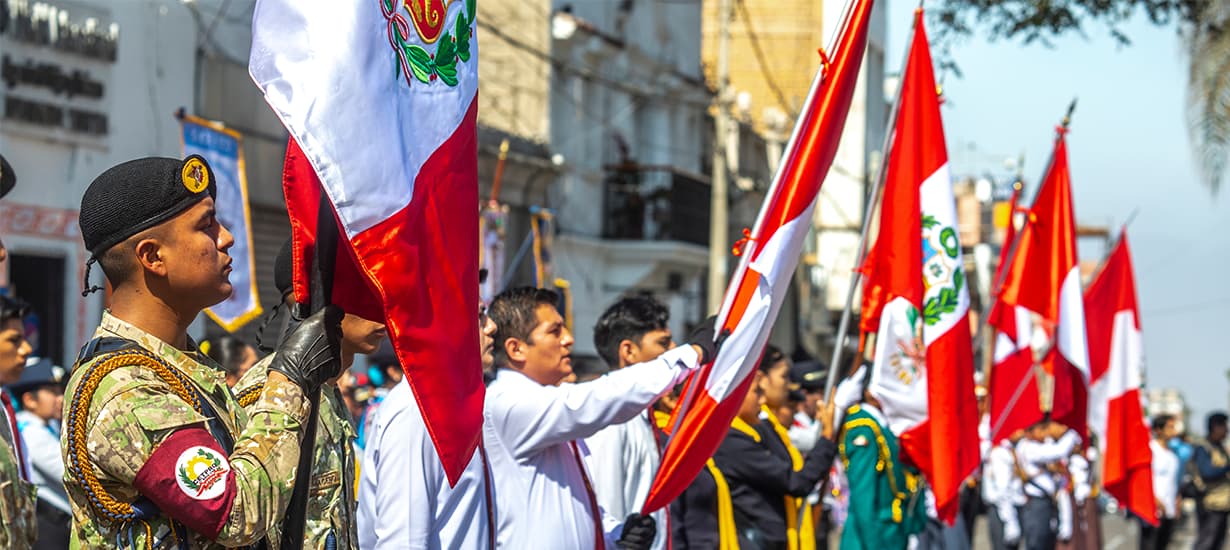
(1208, 91)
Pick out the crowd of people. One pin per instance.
(167, 442)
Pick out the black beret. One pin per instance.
(8, 178)
(284, 268)
(139, 194)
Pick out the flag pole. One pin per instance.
(873, 201)
(323, 263)
(997, 287)
(694, 379)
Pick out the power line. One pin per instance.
(589, 75)
(760, 60)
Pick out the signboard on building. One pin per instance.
(55, 70)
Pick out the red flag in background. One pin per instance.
(1116, 358)
(1044, 279)
(923, 374)
(759, 285)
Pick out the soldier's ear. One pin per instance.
(627, 351)
(515, 349)
(149, 255)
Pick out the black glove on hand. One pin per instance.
(311, 354)
(703, 337)
(639, 532)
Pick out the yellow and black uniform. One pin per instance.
(761, 480)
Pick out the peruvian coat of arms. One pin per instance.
(414, 61)
(943, 281)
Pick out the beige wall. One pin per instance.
(515, 80)
(789, 33)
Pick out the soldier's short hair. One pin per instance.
(512, 311)
(628, 319)
(1160, 421)
(1215, 420)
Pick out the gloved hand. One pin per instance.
(311, 354)
(848, 392)
(703, 337)
(639, 531)
(1012, 533)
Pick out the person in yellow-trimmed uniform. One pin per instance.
(886, 504)
(763, 483)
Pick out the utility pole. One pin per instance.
(719, 246)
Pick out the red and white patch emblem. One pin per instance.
(201, 473)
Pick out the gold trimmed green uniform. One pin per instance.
(886, 505)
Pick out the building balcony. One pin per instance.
(655, 203)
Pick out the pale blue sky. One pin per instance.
(1128, 148)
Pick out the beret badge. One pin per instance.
(195, 176)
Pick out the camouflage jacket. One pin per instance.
(331, 505)
(135, 419)
(18, 528)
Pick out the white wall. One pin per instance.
(153, 75)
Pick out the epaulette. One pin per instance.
(247, 396)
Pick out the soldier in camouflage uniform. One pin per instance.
(158, 452)
(330, 519)
(18, 524)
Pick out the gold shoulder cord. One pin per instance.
(250, 394)
(75, 426)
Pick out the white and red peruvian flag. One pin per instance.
(380, 101)
(759, 285)
(1011, 380)
(1116, 358)
(923, 373)
(1044, 279)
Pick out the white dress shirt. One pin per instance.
(405, 501)
(1082, 478)
(1165, 477)
(623, 460)
(1001, 486)
(530, 433)
(1034, 456)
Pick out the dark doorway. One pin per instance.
(39, 280)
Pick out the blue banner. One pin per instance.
(223, 149)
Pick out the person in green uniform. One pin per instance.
(886, 504)
(158, 453)
(330, 519)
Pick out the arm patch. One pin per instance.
(189, 477)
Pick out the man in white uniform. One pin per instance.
(532, 428)
(405, 501)
(624, 458)
(1165, 485)
(1003, 494)
(1045, 444)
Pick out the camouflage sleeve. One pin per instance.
(247, 390)
(265, 458)
(144, 436)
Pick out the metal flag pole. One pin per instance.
(872, 204)
(997, 288)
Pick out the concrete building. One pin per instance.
(88, 84)
(773, 60)
(629, 116)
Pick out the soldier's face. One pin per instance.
(196, 259)
(360, 335)
(651, 345)
(14, 350)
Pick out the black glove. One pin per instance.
(638, 534)
(703, 337)
(311, 354)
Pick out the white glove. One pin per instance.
(847, 393)
(1012, 532)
